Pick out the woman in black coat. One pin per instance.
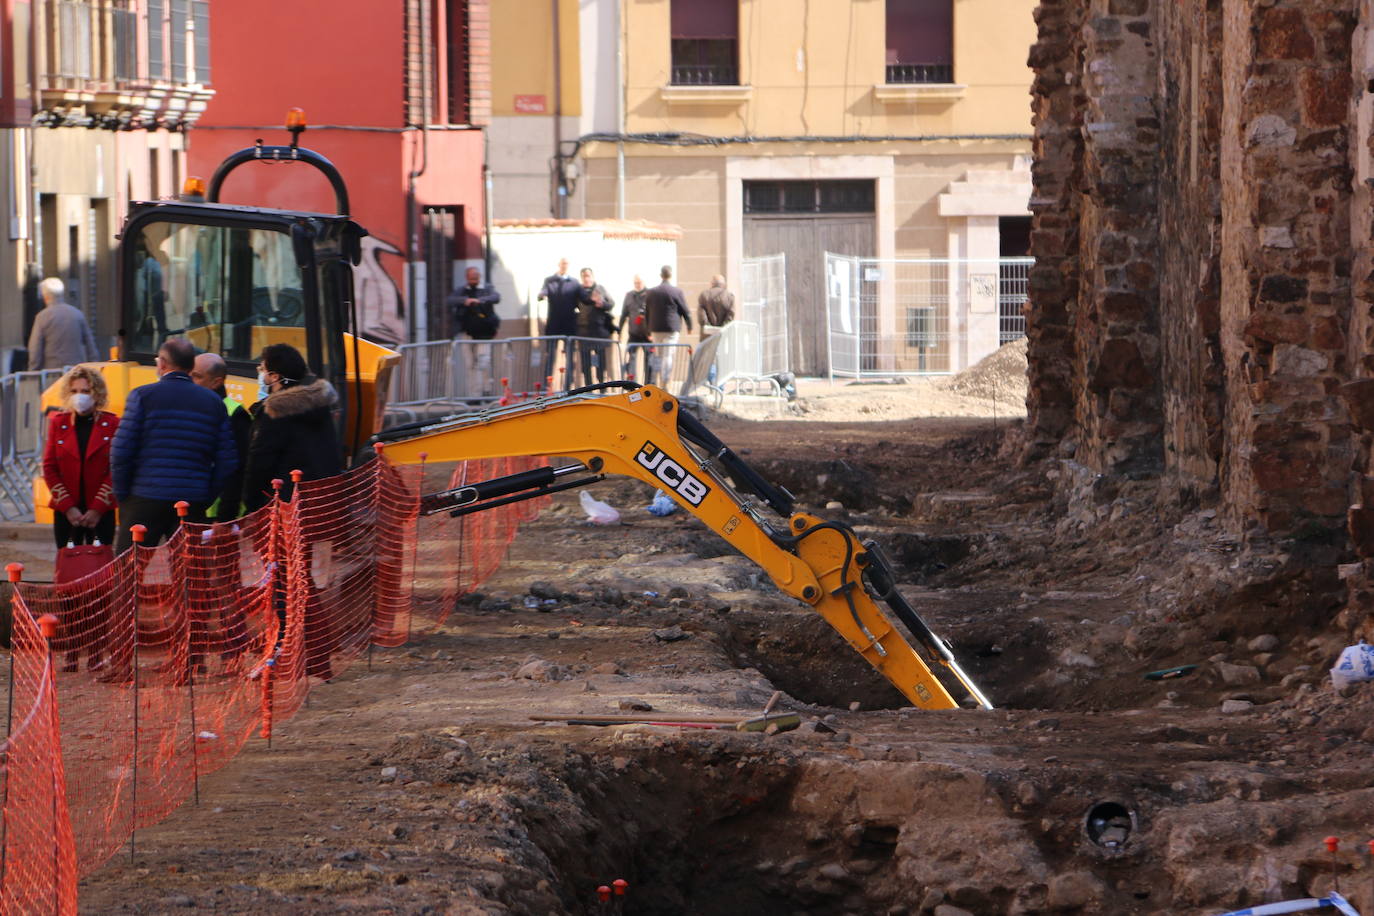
(293, 427)
(293, 430)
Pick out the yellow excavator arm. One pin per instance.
(642, 433)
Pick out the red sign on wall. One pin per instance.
(530, 104)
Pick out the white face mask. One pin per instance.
(263, 390)
(82, 402)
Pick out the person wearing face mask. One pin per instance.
(293, 426)
(76, 461)
(293, 430)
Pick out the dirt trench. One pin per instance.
(419, 785)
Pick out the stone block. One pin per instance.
(1274, 328)
(1359, 399)
(1325, 97)
(1359, 522)
(1283, 35)
(1120, 365)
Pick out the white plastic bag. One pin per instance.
(1356, 664)
(598, 513)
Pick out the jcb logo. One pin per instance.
(672, 474)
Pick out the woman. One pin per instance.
(293, 430)
(76, 461)
(293, 426)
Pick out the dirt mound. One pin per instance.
(999, 376)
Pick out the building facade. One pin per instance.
(891, 133)
(95, 102)
(396, 93)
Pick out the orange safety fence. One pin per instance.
(38, 868)
(169, 659)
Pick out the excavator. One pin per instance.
(642, 431)
(233, 279)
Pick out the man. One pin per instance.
(715, 309)
(174, 443)
(594, 322)
(213, 566)
(60, 335)
(667, 310)
(562, 292)
(473, 309)
(632, 315)
(210, 372)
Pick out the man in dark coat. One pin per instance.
(632, 316)
(562, 292)
(474, 311)
(666, 306)
(293, 427)
(474, 307)
(174, 443)
(594, 307)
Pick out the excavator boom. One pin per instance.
(642, 433)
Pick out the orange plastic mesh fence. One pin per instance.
(37, 851)
(169, 658)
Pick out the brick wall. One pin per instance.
(1192, 212)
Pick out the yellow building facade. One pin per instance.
(879, 129)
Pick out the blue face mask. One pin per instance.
(263, 390)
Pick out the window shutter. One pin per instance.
(200, 11)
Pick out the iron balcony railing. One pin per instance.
(705, 75)
(920, 73)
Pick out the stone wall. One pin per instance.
(1191, 317)
(1202, 308)
(1188, 87)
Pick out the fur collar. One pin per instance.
(301, 399)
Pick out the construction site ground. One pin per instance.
(417, 783)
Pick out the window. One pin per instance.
(180, 13)
(73, 40)
(227, 290)
(920, 41)
(125, 24)
(200, 18)
(705, 42)
(157, 34)
(808, 197)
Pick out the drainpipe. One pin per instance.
(620, 109)
(486, 204)
(419, 318)
(560, 206)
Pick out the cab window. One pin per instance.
(229, 290)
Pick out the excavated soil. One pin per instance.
(420, 785)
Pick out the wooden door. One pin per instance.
(805, 239)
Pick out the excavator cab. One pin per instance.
(233, 279)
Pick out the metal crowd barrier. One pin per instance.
(445, 376)
(22, 430)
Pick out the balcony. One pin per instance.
(906, 74)
(705, 75)
(95, 72)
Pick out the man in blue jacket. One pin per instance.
(174, 442)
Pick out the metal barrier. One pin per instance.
(446, 376)
(919, 316)
(22, 430)
(669, 365)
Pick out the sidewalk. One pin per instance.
(30, 544)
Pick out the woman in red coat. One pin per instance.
(76, 461)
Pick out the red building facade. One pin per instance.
(396, 93)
